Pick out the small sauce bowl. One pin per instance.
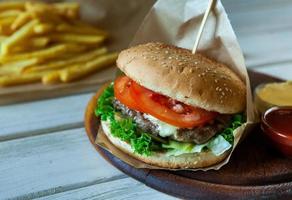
(277, 125)
(268, 95)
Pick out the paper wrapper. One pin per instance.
(177, 22)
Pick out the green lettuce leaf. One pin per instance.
(123, 128)
(236, 121)
(105, 108)
(144, 143)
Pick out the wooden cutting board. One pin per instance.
(256, 170)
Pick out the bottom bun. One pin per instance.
(191, 160)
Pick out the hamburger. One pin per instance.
(171, 108)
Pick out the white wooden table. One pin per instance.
(45, 153)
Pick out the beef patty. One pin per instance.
(198, 135)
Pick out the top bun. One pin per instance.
(177, 73)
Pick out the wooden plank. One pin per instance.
(126, 188)
(43, 165)
(42, 116)
(266, 48)
(243, 6)
(252, 16)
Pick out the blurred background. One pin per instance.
(264, 30)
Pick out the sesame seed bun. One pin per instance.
(184, 161)
(192, 79)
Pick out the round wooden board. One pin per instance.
(256, 170)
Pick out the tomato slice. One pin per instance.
(169, 110)
(122, 92)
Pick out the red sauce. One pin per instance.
(277, 124)
(281, 121)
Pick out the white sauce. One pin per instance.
(164, 129)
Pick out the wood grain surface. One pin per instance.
(256, 169)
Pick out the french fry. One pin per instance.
(32, 44)
(54, 51)
(22, 19)
(67, 62)
(7, 21)
(48, 43)
(5, 30)
(7, 71)
(11, 80)
(11, 5)
(43, 28)
(68, 9)
(10, 13)
(2, 38)
(5, 24)
(81, 25)
(39, 7)
(80, 30)
(43, 12)
(36, 42)
(79, 71)
(76, 38)
(39, 41)
(51, 78)
(17, 36)
(17, 66)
